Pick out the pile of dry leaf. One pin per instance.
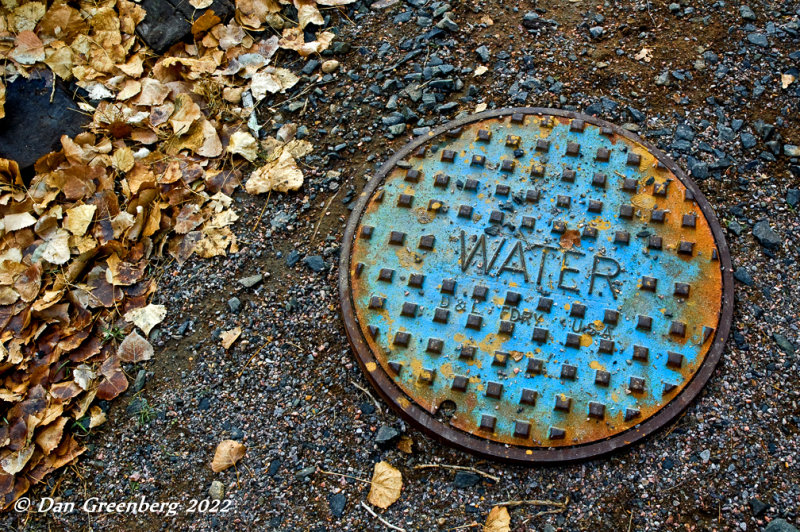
(152, 176)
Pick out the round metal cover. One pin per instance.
(556, 280)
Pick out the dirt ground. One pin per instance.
(290, 389)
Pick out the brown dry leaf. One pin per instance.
(645, 54)
(55, 249)
(293, 39)
(123, 159)
(28, 49)
(244, 144)
(272, 80)
(200, 4)
(307, 13)
(228, 337)
(84, 376)
(281, 175)
(2, 99)
(405, 444)
(480, 70)
(334, 2)
(96, 417)
(387, 482)
(114, 382)
(15, 461)
(49, 438)
(15, 222)
(227, 454)
(146, 317)
(254, 13)
(134, 348)
(498, 520)
(78, 219)
(186, 113)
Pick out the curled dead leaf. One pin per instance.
(227, 454)
(387, 482)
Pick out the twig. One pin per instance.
(536, 502)
(458, 468)
(630, 521)
(381, 519)
(322, 215)
(471, 525)
(377, 405)
(343, 475)
(258, 221)
(250, 360)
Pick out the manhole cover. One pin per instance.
(535, 285)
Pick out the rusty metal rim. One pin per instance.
(422, 419)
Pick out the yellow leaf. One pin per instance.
(387, 482)
(78, 219)
(307, 13)
(201, 4)
(186, 112)
(227, 454)
(228, 337)
(498, 520)
(123, 159)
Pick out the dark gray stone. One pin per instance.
(33, 126)
(315, 263)
(293, 258)
(168, 21)
(757, 507)
(746, 13)
(337, 502)
(779, 525)
(234, 304)
(465, 479)
(766, 236)
(386, 434)
(596, 32)
(251, 281)
(743, 276)
(784, 343)
(793, 197)
(141, 378)
(483, 53)
(759, 39)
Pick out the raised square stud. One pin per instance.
(641, 353)
(460, 383)
(535, 366)
(610, 317)
(568, 371)
(467, 352)
(544, 304)
(563, 403)
(494, 390)
(528, 397)
(674, 360)
(376, 302)
(573, 340)
(415, 280)
(448, 286)
(488, 422)
(522, 429)
(480, 292)
(441, 315)
(402, 339)
(500, 358)
(409, 309)
(513, 298)
(474, 322)
(597, 410)
(539, 335)
(602, 377)
(396, 238)
(435, 345)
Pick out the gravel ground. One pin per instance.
(710, 95)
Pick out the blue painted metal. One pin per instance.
(496, 223)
